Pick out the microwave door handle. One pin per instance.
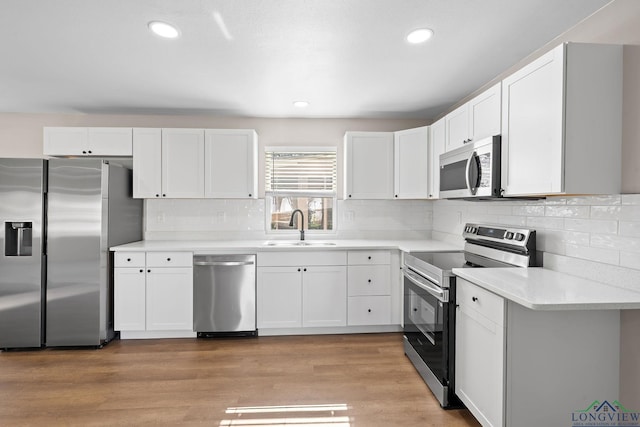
(467, 170)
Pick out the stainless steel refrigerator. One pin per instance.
(58, 219)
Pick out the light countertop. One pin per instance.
(235, 246)
(542, 289)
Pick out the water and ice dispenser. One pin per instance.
(18, 238)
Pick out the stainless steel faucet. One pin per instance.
(301, 222)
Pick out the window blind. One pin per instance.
(301, 172)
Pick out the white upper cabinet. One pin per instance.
(457, 127)
(368, 165)
(475, 120)
(485, 114)
(562, 123)
(168, 163)
(231, 163)
(183, 163)
(436, 147)
(147, 163)
(83, 141)
(411, 166)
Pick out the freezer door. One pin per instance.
(76, 265)
(21, 262)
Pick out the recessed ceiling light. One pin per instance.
(420, 35)
(163, 29)
(301, 104)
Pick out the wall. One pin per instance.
(596, 237)
(245, 219)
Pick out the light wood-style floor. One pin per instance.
(365, 381)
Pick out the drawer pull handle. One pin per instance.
(168, 259)
(141, 270)
(369, 280)
(474, 299)
(148, 271)
(369, 310)
(128, 259)
(369, 257)
(304, 269)
(298, 269)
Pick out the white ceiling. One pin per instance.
(348, 58)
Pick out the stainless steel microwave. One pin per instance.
(472, 170)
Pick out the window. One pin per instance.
(301, 178)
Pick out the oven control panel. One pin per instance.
(496, 233)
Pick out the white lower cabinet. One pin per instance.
(129, 295)
(279, 297)
(153, 294)
(304, 294)
(480, 338)
(325, 289)
(169, 299)
(521, 367)
(369, 279)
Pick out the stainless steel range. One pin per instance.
(429, 297)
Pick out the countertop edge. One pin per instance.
(562, 303)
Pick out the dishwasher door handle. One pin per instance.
(223, 263)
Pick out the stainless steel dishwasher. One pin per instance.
(224, 295)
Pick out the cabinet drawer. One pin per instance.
(369, 280)
(129, 259)
(301, 258)
(169, 259)
(369, 310)
(475, 298)
(369, 257)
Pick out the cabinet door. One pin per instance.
(65, 141)
(411, 165)
(109, 142)
(436, 147)
(532, 127)
(484, 114)
(231, 164)
(480, 349)
(279, 297)
(147, 163)
(324, 296)
(169, 299)
(183, 163)
(368, 165)
(129, 299)
(457, 127)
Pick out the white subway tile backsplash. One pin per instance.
(596, 237)
(609, 200)
(630, 228)
(595, 254)
(567, 211)
(621, 243)
(614, 275)
(605, 212)
(630, 199)
(631, 260)
(545, 222)
(528, 210)
(591, 225)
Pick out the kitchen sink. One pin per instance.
(294, 243)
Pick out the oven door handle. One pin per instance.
(437, 292)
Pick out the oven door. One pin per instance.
(426, 313)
